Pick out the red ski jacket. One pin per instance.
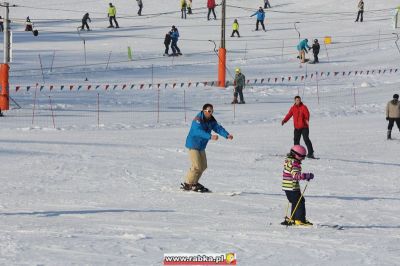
(211, 3)
(300, 116)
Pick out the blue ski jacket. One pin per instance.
(200, 132)
(260, 15)
(175, 35)
(303, 45)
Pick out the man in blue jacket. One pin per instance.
(260, 17)
(302, 48)
(196, 142)
(174, 45)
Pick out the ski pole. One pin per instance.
(298, 202)
(287, 209)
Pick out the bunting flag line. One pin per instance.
(263, 80)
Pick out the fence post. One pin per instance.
(34, 104)
(52, 113)
(379, 38)
(354, 96)
(41, 67)
(316, 78)
(98, 110)
(52, 61)
(108, 61)
(327, 55)
(184, 103)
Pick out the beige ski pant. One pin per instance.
(198, 160)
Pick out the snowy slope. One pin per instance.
(104, 189)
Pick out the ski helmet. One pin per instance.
(316, 40)
(237, 70)
(298, 151)
(395, 96)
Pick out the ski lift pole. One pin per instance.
(5, 68)
(84, 50)
(298, 32)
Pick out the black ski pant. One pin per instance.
(305, 132)
(112, 18)
(84, 23)
(266, 4)
(166, 48)
(175, 48)
(262, 24)
(360, 15)
(183, 12)
(235, 31)
(293, 197)
(238, 91)
(316, 58)
(391, 123)
(1, 27)
(140, 10)
(209, 12)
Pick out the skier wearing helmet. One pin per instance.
(239, 83)
(301, 118)
(290, 184)
(315, 49)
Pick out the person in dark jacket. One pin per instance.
(29, 24)
(1, 24)
(315, 49)
(174, 41)
(84, 22)
(360, 12)
(267, 4)
(301, 118)
(140, 4)
(167, 42)
(240, 83)
(196, 142)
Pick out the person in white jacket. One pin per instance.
(393, 114)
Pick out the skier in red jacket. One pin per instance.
(301, 118)
(211, 5)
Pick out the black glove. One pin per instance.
(307, 176)
(387, 118)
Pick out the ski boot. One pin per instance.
(389, 134)
(194, 187)
(311, 156)
(301, 223)
(287, 222)
(234, 100)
